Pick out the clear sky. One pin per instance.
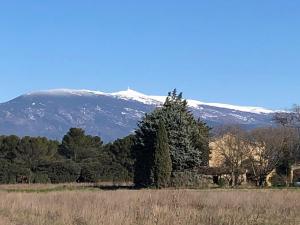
(233, 51)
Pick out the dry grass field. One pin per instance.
(87, 205)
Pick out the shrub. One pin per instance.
(189, 179)
(278, 180)
(90, 172)
(7, 173)
(64, 172)
(12, 173)
(41, 178)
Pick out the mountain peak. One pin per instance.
(130, 93)
(136, 96)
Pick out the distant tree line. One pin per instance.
(79, 157)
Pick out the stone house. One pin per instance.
(217, 160)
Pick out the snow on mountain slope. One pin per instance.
(249, 109)
(130, 94)
(63, 91)
(136, 96)
(148, 99)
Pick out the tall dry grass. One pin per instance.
(147, 207)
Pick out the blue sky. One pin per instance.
(238, 52)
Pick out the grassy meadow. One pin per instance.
(89, 205)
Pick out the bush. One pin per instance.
(278, 180)
(64, 172)
(11, 173)
(114, 172)
(222, 182)
(90, 172)
(7, 173)
(41, 178)
(190, 179)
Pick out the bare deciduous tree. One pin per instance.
(291, 121)
(265, 156)
(232, 148)
(259, 151)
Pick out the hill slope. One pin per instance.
(110, 115)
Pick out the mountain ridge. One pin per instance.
(151, 99)
(51, 113)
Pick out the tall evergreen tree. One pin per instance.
(162, 165)
(187, 139)
(78, 146)
(200, 140)
(86, 151)
(145, 143)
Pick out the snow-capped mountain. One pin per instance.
(51, 113)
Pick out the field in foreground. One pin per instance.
(85, 205)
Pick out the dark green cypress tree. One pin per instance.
(162, 165)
